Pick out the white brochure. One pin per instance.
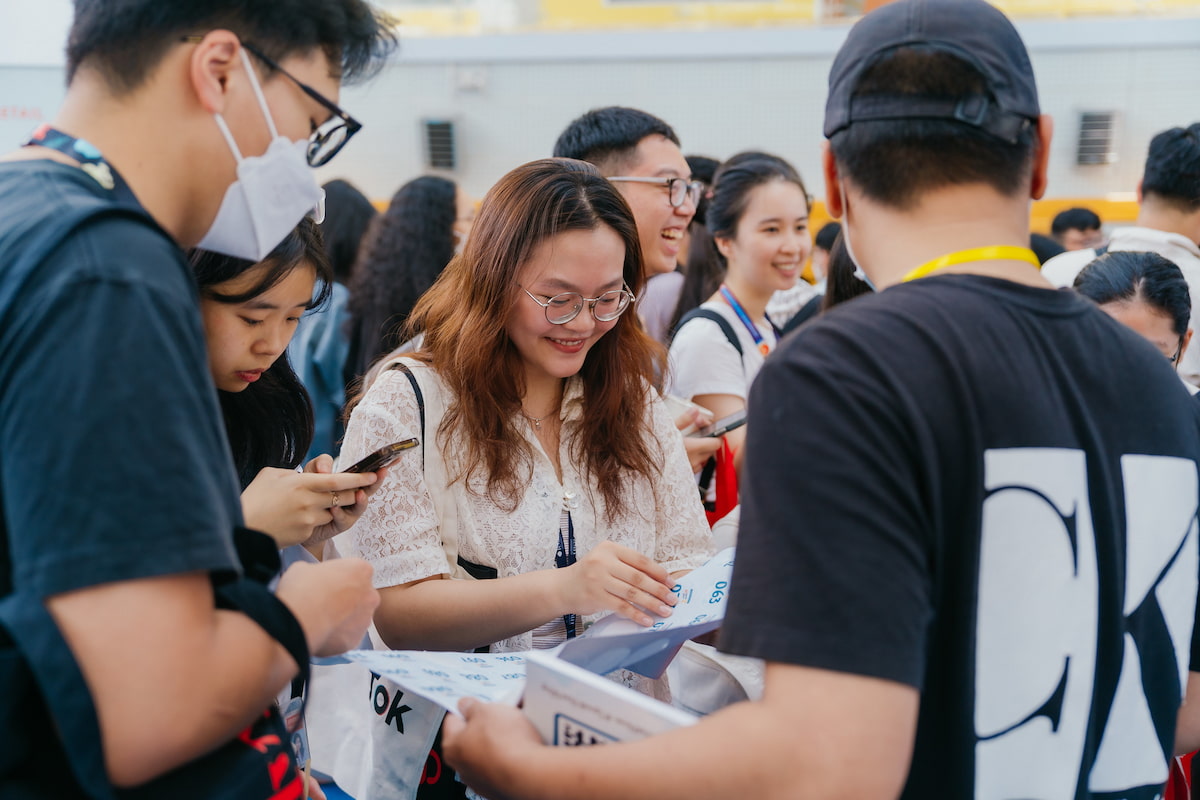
(445, 678)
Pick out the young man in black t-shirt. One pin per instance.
(121, 658)
(985, 586)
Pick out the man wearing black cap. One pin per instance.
(987, 586)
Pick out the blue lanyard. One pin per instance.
(89, 158)
(565, 557)
(755, 334)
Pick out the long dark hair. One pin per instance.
(406, 248)
(348, 214)
(270, 422)
(464, 315)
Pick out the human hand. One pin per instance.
(342, 516)
(616, 578)
(700, 449)
(693, 417)
(291, 506)
(488, 743)
(333, 601)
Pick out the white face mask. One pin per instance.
(858, 270)
(271, 195)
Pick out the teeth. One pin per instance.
(672, 234)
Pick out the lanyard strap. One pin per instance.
(994, 253)
(89, 158)
(755, 333)
(565, 557)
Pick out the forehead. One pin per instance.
(776, 198)
(658, 156)
(578, 260)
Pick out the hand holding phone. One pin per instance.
(724, 425)
(383, 457)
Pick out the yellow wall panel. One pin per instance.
(593, 14)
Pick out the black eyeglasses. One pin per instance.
(679, 190)
(328, 138)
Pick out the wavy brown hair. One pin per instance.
(464, 314)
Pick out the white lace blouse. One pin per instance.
(399, 533)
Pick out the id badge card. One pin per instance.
(293, 720)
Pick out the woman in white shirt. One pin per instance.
(548, 463)
(758, 217)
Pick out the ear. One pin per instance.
(724, 245)
(212, 62)
(1041, 157)
(833, 189)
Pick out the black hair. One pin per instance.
(827, 235)
(348, 213)
(841, 284)
(1079, 219)
(607, 137)
(895, 161)
(270, 422)
(126, 39)
(406, 248)
(1044, 247)
(703, 168)
(1119, 276)
(1173, 168)
(733, 183)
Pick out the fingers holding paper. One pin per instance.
(485, 741)
(615, 578)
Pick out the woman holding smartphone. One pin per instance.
(549, 463)
(250, 312)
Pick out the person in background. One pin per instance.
(406, 248)
(141, 650)
(1168, 222)
(989, 544)
(661, 297)
(758, 217)
(1146, 293)
(250, 311)
(1077, 229)
(639, 153)
(319, 349)
(843, 281)
(822, 245)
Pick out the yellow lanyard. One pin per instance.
(994, 253)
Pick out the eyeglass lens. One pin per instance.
(681, 190)
(563, 308)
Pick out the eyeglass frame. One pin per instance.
(351, 125)
(694, 189)
(590, 302)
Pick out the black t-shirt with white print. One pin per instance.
(994, 501)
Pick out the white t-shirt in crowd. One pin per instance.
(702, 361)
(1062, 269)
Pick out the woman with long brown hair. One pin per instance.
(548, 462)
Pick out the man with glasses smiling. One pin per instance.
(138, 648)
(640, 154)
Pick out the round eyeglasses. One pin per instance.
(679, 190)
(562, 308)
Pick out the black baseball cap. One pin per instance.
(972, 30)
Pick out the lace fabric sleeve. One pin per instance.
(684, 540)
(398, 532)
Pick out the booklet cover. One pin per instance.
(572, 707)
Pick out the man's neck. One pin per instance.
(150, 150)
(889, 243)
(1164, 217)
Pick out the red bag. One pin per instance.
(726, 486)
(1180, 777)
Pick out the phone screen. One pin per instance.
(383, 457)
(724, 425)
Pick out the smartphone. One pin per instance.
(383, 457)
(723, 426)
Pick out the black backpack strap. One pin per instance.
(402, 367)
(722, 323)
(1099, 251)
(806, 312)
